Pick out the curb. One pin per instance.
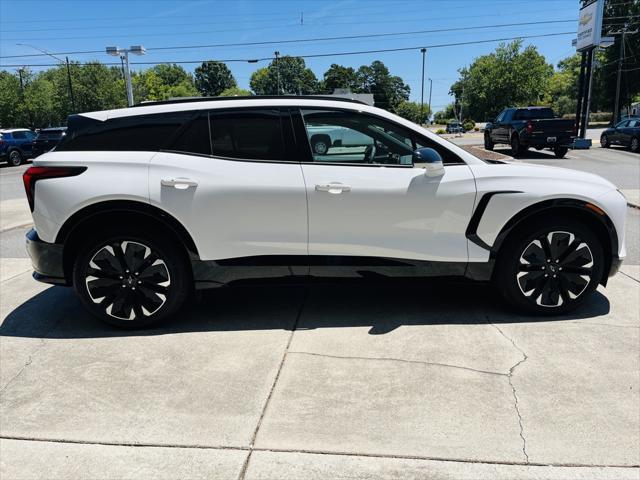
(23, 225)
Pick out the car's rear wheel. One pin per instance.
(488, 144)
(550, 266)
(560, 152)
(15, 158)
(635, 145)
(604, 141)
(516, 146)
(320, 144)
(131, 279)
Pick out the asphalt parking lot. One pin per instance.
(437, 380)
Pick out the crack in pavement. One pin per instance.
(245, 465)
(513, 388)
(389, 359)
(313, 452)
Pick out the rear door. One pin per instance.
(230, 179)
(370, 201)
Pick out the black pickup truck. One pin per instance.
(526, 127)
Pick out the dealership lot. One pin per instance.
(436, 380)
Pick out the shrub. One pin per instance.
(476, 129)
(469, 125)
(440, 131)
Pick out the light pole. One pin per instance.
(277, 54)
(66, 61)
(424, 54)
(123, 53)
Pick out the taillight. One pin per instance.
(33, 174)
(529, 128)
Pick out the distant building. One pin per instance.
(633, 111)
(346, 93)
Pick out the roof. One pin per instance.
(9, 130)
(205, 103)
(52, 129)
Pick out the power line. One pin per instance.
(335, 54)
(316, 39)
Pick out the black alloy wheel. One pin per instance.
(130, 281)
(635, 145)
(550, 267)
(604, 142)
(15, 158)
(555, 268)
(488, 144)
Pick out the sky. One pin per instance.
(91, 25)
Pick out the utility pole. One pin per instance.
(277, 54)
(616, 108)
(23, 97)
(71, 98)
(424, 52)
(430, 89)
(123, 53)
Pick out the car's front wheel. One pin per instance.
(604, 141)
(488, 143)
(550, 267)
(131, 279)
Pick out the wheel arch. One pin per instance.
(124, 211)
(590, 214)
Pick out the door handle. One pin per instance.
(333, 188)
(180, 183)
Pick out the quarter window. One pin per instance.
(247, 134)
(194, 137)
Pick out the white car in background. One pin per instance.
(137, 206)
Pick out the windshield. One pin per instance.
(50, 134)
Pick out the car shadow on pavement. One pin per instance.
(531, 154)
(56, 313)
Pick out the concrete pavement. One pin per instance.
(432, 381)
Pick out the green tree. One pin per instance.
(235, 92)
(443, 116)
(212, 78)
(294, 78)
(163, 82)
(388, 90)
(411, 111)
(13, 111)
(338, 76)
(511, 76)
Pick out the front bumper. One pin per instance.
(46, 259)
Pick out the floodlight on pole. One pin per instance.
(123, 53)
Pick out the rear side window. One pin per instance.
(248, 134)
(194, 137)
(135, 133)
(19, 135)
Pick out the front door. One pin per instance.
(369, 201)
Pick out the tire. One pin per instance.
(560, 152)
(488, 144)
(516, 147)
(634, 146)
(604, 142)
(15, 158)
(570, 261)
(132, 278)
(320, 144)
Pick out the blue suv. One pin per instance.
(16, 145)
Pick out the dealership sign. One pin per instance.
(590, 25)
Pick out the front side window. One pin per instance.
(349, 137)
(248, 134)
(500, 116)
(194, 137)
(622, 124)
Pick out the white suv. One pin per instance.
(137, 206)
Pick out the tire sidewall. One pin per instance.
(171, 253)
(637, 147)
(604, 141)
(509, 258)
(13, 155)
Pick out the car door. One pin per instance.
(498, 128)
(370, 202)
(229, 178)
(618, 133)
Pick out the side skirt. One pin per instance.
(299, 269)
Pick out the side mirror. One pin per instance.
(431, 159)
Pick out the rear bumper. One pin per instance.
(46, 259)
(541, 141)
